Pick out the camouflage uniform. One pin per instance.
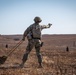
(33, 33)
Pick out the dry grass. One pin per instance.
(56, 61)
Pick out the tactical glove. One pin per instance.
(23, 39)
(49, 25)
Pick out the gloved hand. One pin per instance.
(49, 25)
(23, 39)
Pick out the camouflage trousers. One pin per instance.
(33, 43)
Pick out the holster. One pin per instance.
(42, 44)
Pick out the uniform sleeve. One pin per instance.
(26, 31)
(45, 26)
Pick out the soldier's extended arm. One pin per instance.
(46, 26)
(26, 32)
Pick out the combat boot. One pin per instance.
(21, 65)
(40, 65)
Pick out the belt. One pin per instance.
(37, 38)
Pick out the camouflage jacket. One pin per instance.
(34, 31)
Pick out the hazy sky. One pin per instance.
(17, 15)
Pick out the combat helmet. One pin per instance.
(37, 19)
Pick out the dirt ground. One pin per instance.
(57, 60)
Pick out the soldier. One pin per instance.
(33, 33)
